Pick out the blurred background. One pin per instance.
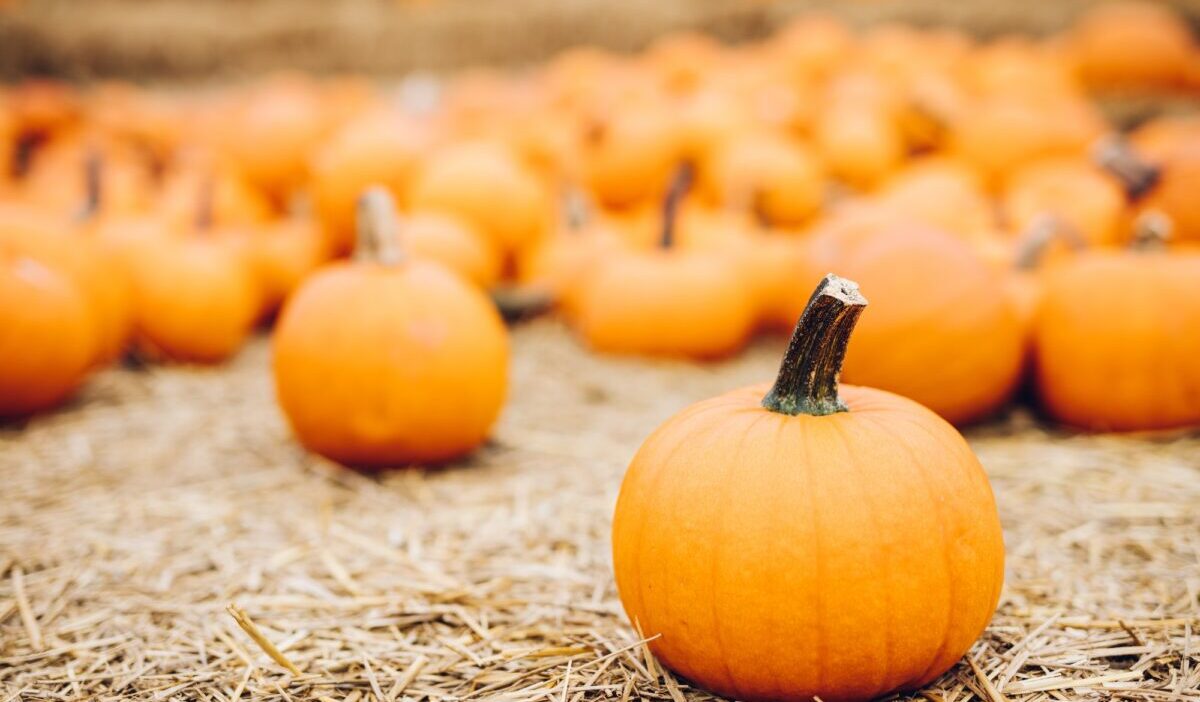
(206, 39)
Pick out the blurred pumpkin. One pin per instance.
(1131, 44)
(933, 293)
(376, 149)
(484, 184)
(669, 301)
(386, 361)
(453, 242)
(860, 144)
(196, 295)
(826, 587)
(769, 174)
(1086, 199)
(47, 334)
(92, 270)
(628, 156)
(1117, 338)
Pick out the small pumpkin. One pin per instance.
(806, 540)
(936, 293)
(1085, 198)
(776, 177)
(669, 301)
(379, 148)
(629, 156)
(1117, 338)
(1131, 44)
(452, 241)
(91, 267)
(387, 360)
(859, 141)
(196, 295)
(47, 334)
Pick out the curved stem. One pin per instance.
(206, 203)
(1041, 231)
(808, 377)
(1138, 177)
(1152, 231)
(681, 183)
(378, 228)
(93, 186)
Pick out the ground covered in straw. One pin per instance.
(130, 521)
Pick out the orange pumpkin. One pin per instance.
(454, 243)
(808, 541)
(776, 177)
(1174, 191)
(628, 157)
(561, 264)
(92, 268)
(385, 361)
(667, 301)
(1086, 199)
(488, 187)
(196, 296)
(1117, 341)
(935, 293)
(282, 254)
(859, 142)
(1132, 45)
(377, 149)
(47, 334)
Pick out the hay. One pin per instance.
(131, 520)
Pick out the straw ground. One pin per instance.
(131, 521)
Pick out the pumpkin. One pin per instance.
(998, 134)
(375, 149)
(454, 243)
(860, 143)
(1131, 45)
(806, 540)
(91, 267)
(1086, 199)
(272, 130)
(1117, 338)
(667, 301)
(197, 296)
(388, 360)
(47, 334)
(776, 177)
(1174, 192)
(281, 255)
(942, 192)
(488, 187)
(935, 293)
(628, 157)
(560, 265)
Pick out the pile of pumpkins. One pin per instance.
(674, 202)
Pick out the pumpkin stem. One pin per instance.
(808, 377)
(1138, 177)
(681, 183)
(206, 203)
(1042, 230)
(93, 164)
(378, 229)
(1151, 231)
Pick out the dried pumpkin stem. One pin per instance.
(681, 183)
(1138, 177)
(1042, 230)
(93, 164)
(1151, 231)
(808, 378)
(206, 204)
(378, 228)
